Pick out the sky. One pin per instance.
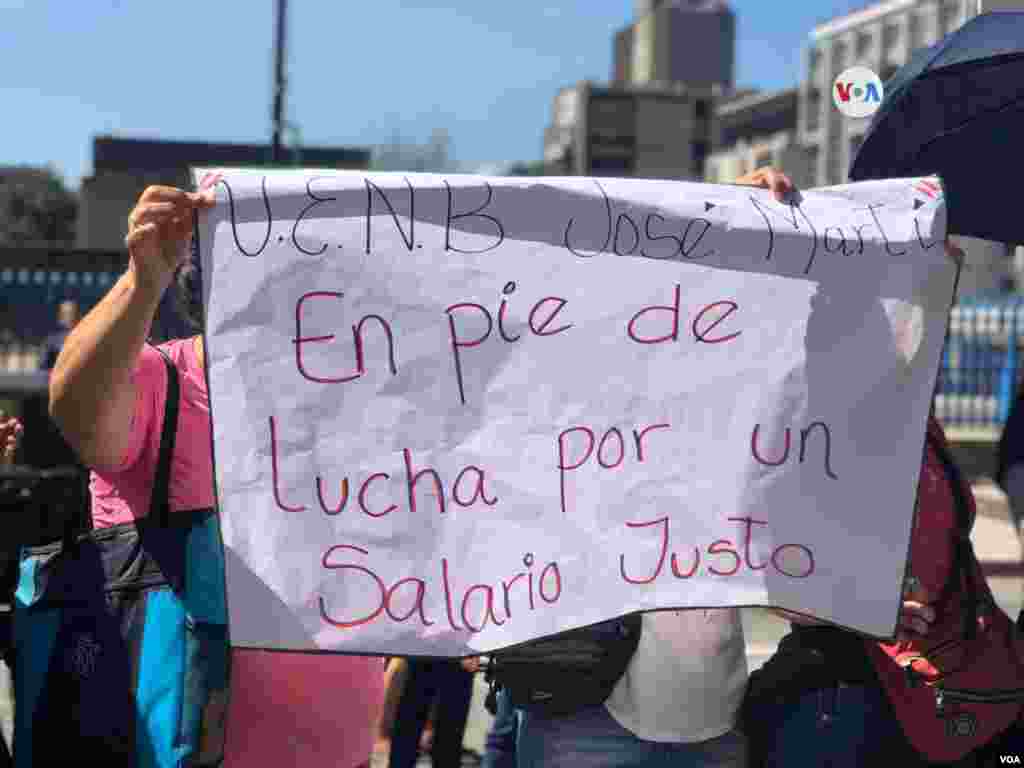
(359, 73)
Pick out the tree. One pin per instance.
(403, 155)
(35, 208)
(534, 168)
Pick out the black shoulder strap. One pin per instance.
(159, 500)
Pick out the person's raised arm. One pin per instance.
(92, 397)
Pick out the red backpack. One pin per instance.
(962, 684)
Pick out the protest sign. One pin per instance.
(454, 413)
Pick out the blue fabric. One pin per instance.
(592, 738)
(500, 745)
(160, 694)
(204, 573)
(110, 665)
(842, 726)
(39, 632)
(27, 588)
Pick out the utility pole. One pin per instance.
(277, 155)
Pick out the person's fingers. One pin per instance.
(158, 194)
(922, 610)
(916, 617)
(772, 179)
(152, 212)
(138, 235)
(780, 185)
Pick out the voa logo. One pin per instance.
(857, 92)
(1009, 759)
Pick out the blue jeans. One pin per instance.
(500, 746)
(593, 739)
(843, 726)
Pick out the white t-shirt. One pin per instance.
(686, 681)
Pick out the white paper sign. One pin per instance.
(456, 413)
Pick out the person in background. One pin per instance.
(107, 393)
(68, 315)
(677, 704)
(500, 744)
(447, 682)
(10, 434)
(1010, 461)
(826, 695)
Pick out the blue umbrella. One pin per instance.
(956, 109)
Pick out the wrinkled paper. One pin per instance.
(455, 413)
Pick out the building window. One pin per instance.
(863, 44)
(813, 109)
(839, 55)
(812, 165)
(890, 37)
(833, 170)
(700, 156)
(702, 119)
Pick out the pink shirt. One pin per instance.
(286, 708)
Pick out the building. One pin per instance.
(881, 37)
(123, 168)
(657, 131)
(671, 64)
(755, 129)
(677, 41)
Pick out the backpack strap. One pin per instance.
(159, 500)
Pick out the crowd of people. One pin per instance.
(684, 700)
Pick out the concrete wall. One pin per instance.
(665, 136)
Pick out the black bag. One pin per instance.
(567, 672)
(120, 635)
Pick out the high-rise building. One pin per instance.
(654, 120)
(677, 41)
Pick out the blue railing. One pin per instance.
(981, 363)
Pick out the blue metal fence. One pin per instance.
(981, 363)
